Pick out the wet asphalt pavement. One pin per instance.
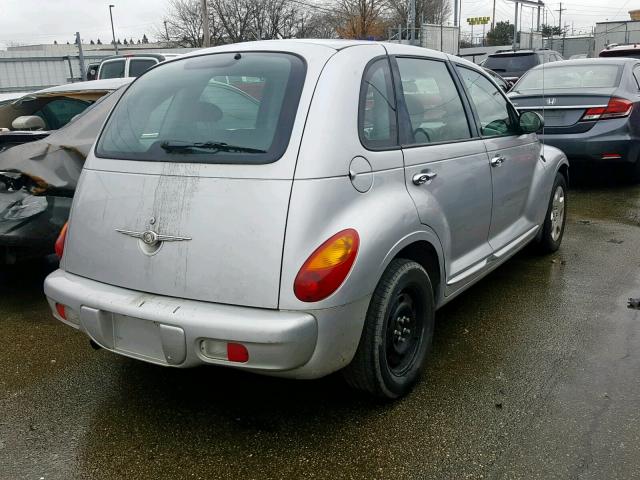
(535, 373)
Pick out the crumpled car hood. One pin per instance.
(52, 165)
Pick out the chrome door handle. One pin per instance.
(424, 177)
(497, 161)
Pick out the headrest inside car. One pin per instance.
(28, 122)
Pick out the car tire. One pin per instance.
(397, 333)
(550, 236)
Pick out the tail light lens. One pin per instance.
(327, 267)
(616, 108)
(59, 245)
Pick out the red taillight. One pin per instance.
(327, 267)
(236, 352)
(616, 108)
(61, 310)
(59, 246)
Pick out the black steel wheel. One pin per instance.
(397, 334)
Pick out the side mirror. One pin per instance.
(531, 122)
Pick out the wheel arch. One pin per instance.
(425, 249)
(563, 170)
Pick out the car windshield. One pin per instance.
(571, 77)
(223, 108)
(510, 62)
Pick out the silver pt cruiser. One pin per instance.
(295, 208)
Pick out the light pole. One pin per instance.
(113, 32)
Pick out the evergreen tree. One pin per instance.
(144, 38)
(550, 30)
(502, 34)
(99, 42)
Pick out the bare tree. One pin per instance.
(243, 20)
(318, 25)
(182, 25)
(427, 11)
(361, 18)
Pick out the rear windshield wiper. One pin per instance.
(213, 147)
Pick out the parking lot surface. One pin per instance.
(534, 374)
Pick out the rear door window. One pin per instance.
(137, 66)
(377, 125)
(222, 108)
(433, 103)
(112, 69)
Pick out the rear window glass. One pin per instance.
(222, 108)
(112, 69)
(510, 63)
(635, 53)
(571, 76)
(138, 66)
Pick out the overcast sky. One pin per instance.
(43, 21)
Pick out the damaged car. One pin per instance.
(38, 180)
(34, 116)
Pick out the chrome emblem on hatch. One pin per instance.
(150, 238)
(551, 101)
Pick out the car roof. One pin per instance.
(588, 61)
(281, 45)
(90, 85)
(156, 55)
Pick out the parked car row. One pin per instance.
(125, 66)
(295, 208)
(219, 218)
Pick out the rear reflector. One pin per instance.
(61, 310)
(236, 352)
(222, 350)
(611, 156)
(616, 108)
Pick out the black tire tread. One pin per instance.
(545, 244)
(361, 373)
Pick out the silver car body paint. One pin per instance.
(253, 226)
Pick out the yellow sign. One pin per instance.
(478, 20)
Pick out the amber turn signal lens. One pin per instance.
(327, 267)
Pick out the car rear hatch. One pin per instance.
(511, 65)
(188, 190)
(563, 112)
